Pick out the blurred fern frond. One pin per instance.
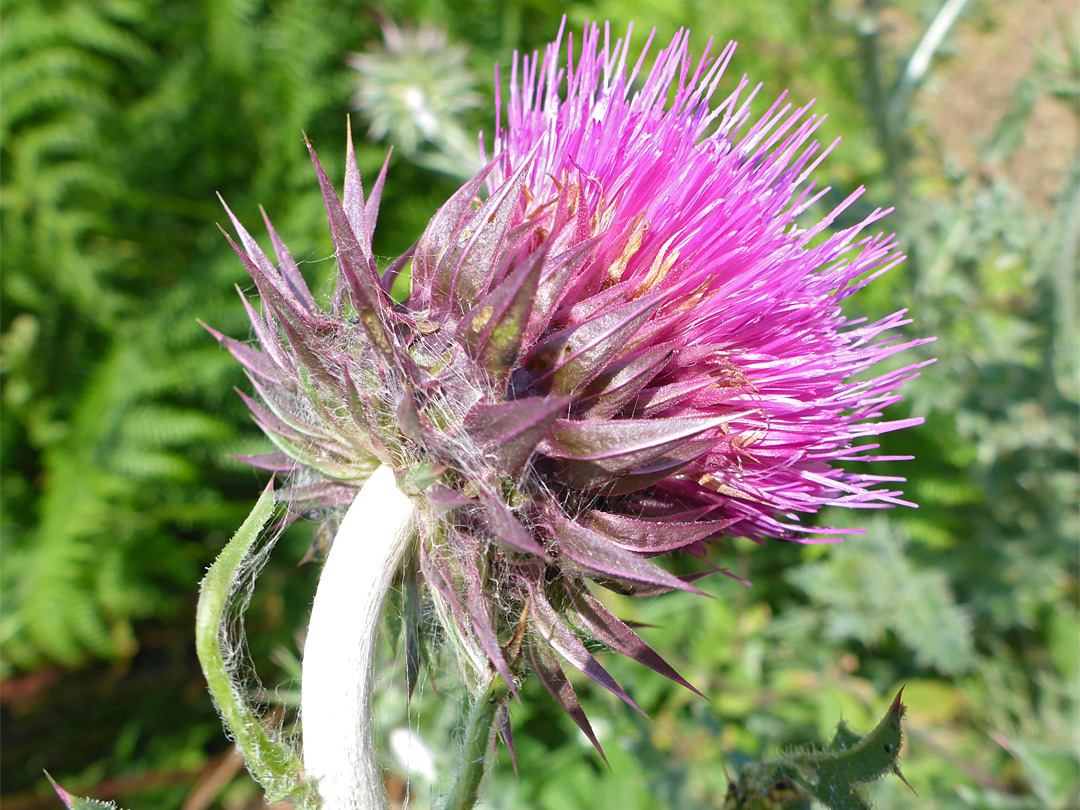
(120, 121)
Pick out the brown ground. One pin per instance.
(994, 47)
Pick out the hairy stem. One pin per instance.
(475, 745)
(338, 677)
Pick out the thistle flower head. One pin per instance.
(619, 342)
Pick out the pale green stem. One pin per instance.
(476, 744)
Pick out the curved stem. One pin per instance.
(475, 745)
(919, 63)
(337, 679)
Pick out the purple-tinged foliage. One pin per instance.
(629, 346)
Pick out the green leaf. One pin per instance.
(833, 774)
(869, 587)
(78, 802)
(275, 766)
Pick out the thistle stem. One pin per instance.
(338, 675)
(475, 745)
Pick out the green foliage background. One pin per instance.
(121, 118)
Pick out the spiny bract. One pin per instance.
(626, 347)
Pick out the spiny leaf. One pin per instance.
(593, 453)
(652, 536)
(274, 765)
(77, 802)
(465, 271)
(832, 775)
(616, 634)
(569, 646)
(512, 430)
(492, 331)
(872, 757)
(604, 560)
(551, 676)
(575, 356)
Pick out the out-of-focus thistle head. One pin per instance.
(413, 86)
(618, 343)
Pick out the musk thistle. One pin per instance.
(619, 342)
(412, 89)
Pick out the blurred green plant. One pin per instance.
(120, 121)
